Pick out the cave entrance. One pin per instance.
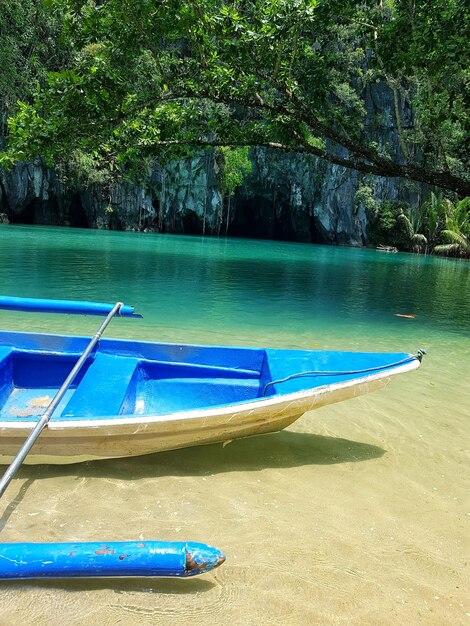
(191, 224)
(77, 215)
(38, 211)
(315, 233)
(26, 216)
(253, 218)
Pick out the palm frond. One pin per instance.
(419, 239)
(455, 237)
(449, 249)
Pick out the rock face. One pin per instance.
(286, 196)
(301, 199)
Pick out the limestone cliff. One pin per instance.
(286, 196)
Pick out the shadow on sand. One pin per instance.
(9, 510)
(277, 450)
(174, 586)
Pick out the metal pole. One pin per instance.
(37, 430)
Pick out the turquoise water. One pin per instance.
(238, 290)
(356, 514)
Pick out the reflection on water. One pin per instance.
(356, 514)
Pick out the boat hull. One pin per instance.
(84, 440)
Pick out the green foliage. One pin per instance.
(430, 218)
(234, 166)
(393, 224)
(143, 79)
(456, 234)
(434, 64)
(30, 46)
(85, 168)
(365, 196)
(438, 225)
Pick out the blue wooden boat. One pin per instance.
(131, 398)
(118, 558)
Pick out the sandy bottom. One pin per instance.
(357, 514)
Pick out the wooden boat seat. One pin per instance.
(105, 387)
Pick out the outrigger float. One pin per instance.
(121, 558)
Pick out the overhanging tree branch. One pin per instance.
(362, 158)
(439, 179)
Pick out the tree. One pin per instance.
(456, 233)
(234, 166)
(30, 46)
(155, 78)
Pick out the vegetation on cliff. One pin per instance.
(437, 226)
(139, 79)
(31, 45)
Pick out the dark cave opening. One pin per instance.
(77, 215)
(315, 233)
(260, 218)
(191, 224)
(38, 212)
(26, 216)
(253, 218)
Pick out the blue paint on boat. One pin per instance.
(139, 378)
(123, 558)
(77, 307)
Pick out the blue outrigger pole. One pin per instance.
(86, 559)
(76, 307)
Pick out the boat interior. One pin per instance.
(137, 378)
(116, 385)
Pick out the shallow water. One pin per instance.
(357, 514)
